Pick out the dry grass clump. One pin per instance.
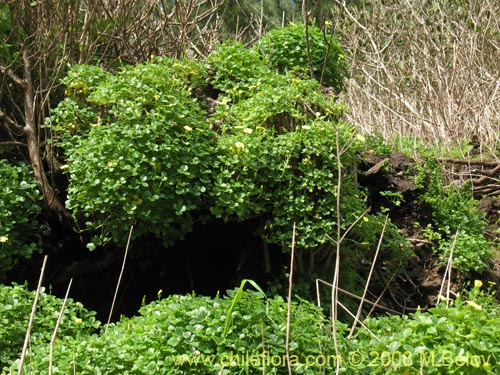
(424, 69)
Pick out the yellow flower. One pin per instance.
(4, 239)
(239, 145)
(112, 164)
(78, 321)
(188, 128)
(306, 127)
(247, 131)
(478, 284)
(365, 219)
(474, 304)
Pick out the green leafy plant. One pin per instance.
(184, 334)
(286, 50)
(456, 221)
(238, 70)
(457, 339)
(142, 152)
(15, 307)
(21, 231)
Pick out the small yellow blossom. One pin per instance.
(360, 138)
(474, 304)
(4, 239)
(156, 97)
(478, 284)
(247, 131)
(112, 164)
(188, 128)
(365, 219)
(78, 321)
(306, 127)
(239, 145)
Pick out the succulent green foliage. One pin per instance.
(238, 70)
(459, 339)
(286, 50)
(20, 208)
(140, 150)
(15, 308)
(184, 334)
(190, 335)
(292, 176)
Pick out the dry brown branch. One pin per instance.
(420, 71)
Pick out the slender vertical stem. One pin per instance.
(119, 279)
(58, 323)
(335, 282)
(289, 304)
(360, 308)
(32, 317)
(306, 31)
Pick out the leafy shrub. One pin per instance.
(285, 48)
(141, 150)
(191, 334)
(460, 339)
(185, 334)
(15, 308)
(238, 70)
(146, 158)
(456, 223)
(20, 230)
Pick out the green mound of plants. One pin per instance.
(138, 148)
(458, 227)
(21, 229)
(15, 308)
(287, 49)
(245, 333)
(455, 337)
(170, 142)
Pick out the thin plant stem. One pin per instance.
(343, 291)
(289, 303)
(58, 323)
(32, 317)
(306, 35)
(119, 279)
(360, 308)
(335, 283)
(447, 274)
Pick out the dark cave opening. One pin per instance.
(213, 258)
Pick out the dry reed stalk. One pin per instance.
(447, 274)
(360, 308)
(430, 73)
(374, 304)
(119, 279)
(345, 308)
(32, 317)
(289, 303)
(56, 328)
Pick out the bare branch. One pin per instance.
(13, 76)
